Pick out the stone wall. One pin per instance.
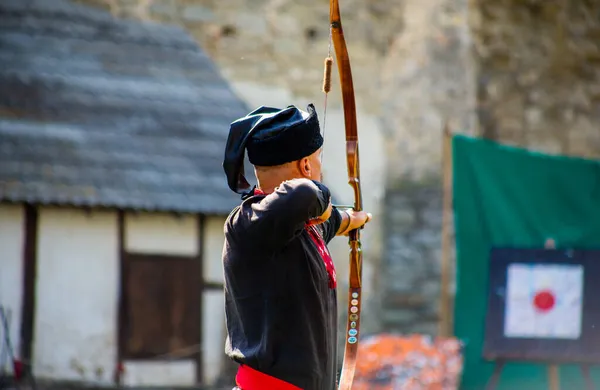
(412, 258)
(429, 78)
(539, 82)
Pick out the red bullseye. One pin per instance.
(544, 300)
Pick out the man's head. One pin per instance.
(308, 167)
(281, 144)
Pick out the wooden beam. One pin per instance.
(29, 287)
(199, 359)
(444, 309)
(213, 286)
(553, 369)
(122, 314)
(553, 377)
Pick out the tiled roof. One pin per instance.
(98, 111)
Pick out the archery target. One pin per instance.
(543, 301)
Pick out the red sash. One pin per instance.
(250, 379)
(324, 252)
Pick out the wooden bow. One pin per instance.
(349, 104)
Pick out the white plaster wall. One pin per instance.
(76, 299)
(161, 233)
(160, 373)
(213, 314)
(12, 235)
(213, 241)
(213, 328)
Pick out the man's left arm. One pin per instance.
(332, 224)
(341, 222)
(352, 220)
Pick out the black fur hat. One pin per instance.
(272, 136)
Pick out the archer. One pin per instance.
(280, 282)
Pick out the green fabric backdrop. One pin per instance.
(505, 196)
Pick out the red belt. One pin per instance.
(250, 379)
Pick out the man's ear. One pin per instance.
(304, 167)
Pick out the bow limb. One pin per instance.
(355, 284)
(349, 103)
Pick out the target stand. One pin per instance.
(541, 309)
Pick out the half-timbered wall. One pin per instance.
(77, 266)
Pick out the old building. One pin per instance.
(112, 196)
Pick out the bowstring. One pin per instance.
(326, 95)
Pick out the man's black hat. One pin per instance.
(272, 137)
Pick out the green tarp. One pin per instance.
(510, 197)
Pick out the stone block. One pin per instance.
(287, 46)
(163, 9)
(402, 218)
(101, 4)
(197, 13)
(427, 238)
(430, 288)
(427, 328)
(432, 216)
(395, 284)
(252, 23)
(399, 317)
(405, 300)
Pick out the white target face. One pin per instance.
(544, 301)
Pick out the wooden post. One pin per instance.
(495, 378)
(553, 374)
(445, 314)
(585, 370)
(553, 377)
